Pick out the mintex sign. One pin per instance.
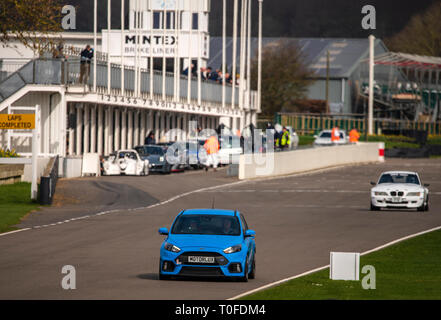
(157, 44)
(17, 121)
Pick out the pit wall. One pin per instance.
(304, 160)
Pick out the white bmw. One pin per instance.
(125, 162)
(399, 189)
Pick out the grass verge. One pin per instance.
(409, 270)
(390, 141)
(306, 140)
(15, 203)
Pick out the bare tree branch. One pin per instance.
(32, 22)
(285, 76)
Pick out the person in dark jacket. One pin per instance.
(150, 139)
(185, 72)
(86, 59)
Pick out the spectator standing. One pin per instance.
(58, 54)
(150, 139)
(86, 58)
(228, 78)
(335, 135)
(214, 76)
(186, 72)
(285, 139)
(212, 147)
(354, 136)
(220, 77)
(206, 73)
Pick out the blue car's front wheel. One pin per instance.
(252, 274)
(245, 277)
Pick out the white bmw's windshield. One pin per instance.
(399, 178)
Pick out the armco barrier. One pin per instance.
(290, 162)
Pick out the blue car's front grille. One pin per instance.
(201, 272)
(219, 260)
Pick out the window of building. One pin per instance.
(160, 23)
(195, 21)
(156, 20)
(170, 20)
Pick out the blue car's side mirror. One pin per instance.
(163, 231)
(250, 233)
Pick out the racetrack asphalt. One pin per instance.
(298, 221)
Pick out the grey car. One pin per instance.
(156, 156)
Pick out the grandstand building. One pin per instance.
(124, 97)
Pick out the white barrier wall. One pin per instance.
(285, 163)
(41, 166)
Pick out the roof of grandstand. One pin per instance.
(345, 54)
(408, 60)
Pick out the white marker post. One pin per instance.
(371, 85)
(35, 151)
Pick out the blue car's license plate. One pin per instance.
(194, 259)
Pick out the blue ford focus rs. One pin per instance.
(208, 243)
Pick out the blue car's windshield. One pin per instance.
(150, 150)
(207, 225)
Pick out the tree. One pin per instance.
(285, 76)
(422, 35)
(31, 22)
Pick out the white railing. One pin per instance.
(9, 66)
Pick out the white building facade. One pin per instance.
(124, 98)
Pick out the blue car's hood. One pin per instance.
(204, 241)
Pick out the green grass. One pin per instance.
(15, 203)
(409, 270)
(434, 140)
(390, 141)
(306, 140)
(393, 141)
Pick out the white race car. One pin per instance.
(399, 189)
(324, 138)
(230, 150)
(125, 162)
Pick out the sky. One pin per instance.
(290, 18)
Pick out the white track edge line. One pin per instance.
(272, 284)
(187, 194)
(15, 231)
(196, 191)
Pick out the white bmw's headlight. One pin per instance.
(380, 193)
(233, 249)
(172, 248)
(414, 194)
(161, 159)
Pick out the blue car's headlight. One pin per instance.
(172, 248)
(233, 249)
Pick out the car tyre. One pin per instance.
(426, 208)
(252, 274)
(374, 208)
